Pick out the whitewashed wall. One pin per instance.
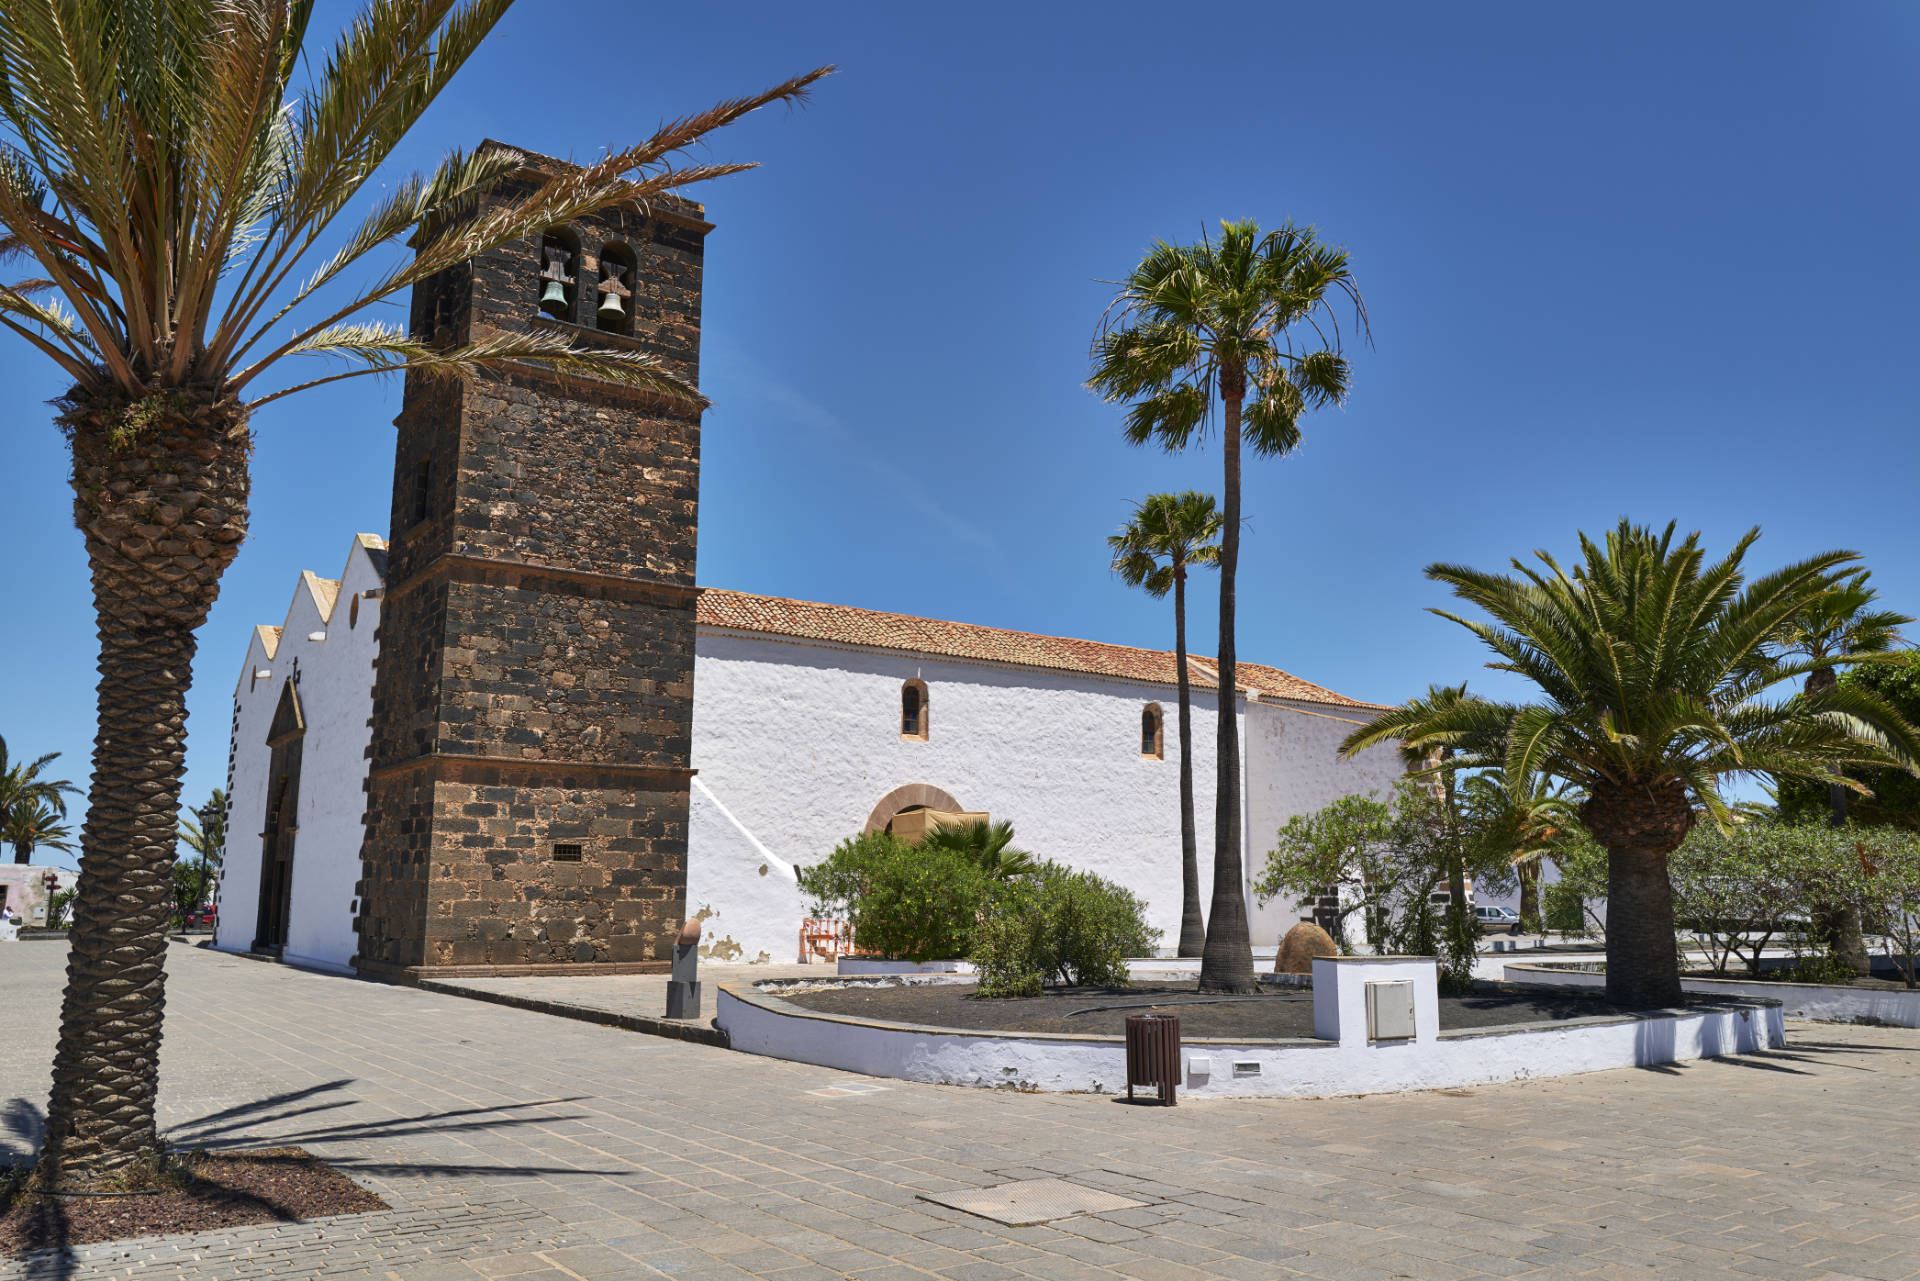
(1294, 766)
(239, 894)
(336, 694)
(336, 690)
(798, 741)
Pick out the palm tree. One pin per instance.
(1169, 533)
(35, 825)
(1651, 666)
(25, 793)
(177, 166)
(1842, 627)
(1526, 827)
(988, 844)
(1839, 628)
(1190, 323)
(1461, 933)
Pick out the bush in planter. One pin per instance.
(1058, 925)
(903, 901)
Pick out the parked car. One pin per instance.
(1495, 919)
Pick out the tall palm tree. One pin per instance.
(179, 168)
(1651, 666)
(1841, 628)
(35, 825)
(1245, 320)
(1168, 534)
(24, 791)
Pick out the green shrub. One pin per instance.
(903, 901)
(1823, 967)
(1059, 925)
(1010, 941)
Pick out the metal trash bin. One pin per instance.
(1153, 1053)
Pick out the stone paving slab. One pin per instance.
(515, 1144)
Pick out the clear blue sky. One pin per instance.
(1651, 260)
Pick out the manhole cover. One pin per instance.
(1031, 1201)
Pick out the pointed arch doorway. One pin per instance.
(285, 738)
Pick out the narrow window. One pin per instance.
(614, 311)
(913, 710)
(1152, 741)
(353, 612)
(422, 489)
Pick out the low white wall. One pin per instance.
(759, 1022)
(874, 965)
(1893, 1007)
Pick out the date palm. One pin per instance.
(179, 168)
(26, 792)
(1525, 827)
(1841, 628)
(1247, 322)
(35, 825)
(1170, 533)
(1652, 669)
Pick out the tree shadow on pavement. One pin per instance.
(279, 1121)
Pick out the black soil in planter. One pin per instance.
(1284, 1012)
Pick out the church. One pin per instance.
(518, 738)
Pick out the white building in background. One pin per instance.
(811, 723)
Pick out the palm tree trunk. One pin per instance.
(160, 495)
(1530, 897)
(1643, 968)
(1227, 962)
(1193, 926)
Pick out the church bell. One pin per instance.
(611, 312)
(553, 299)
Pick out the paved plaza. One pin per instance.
(515, 1144)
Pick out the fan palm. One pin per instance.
(23, 790)
(1169, 533)
(172, 187)
(988, 844)
(1651, 666)
(1247, 321)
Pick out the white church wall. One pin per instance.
(336, 691)
(745, 895)
(239, 897)
(799, 741)
(1294, 767)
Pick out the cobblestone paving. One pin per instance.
(518, 1145)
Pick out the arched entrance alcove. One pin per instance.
(908, 797)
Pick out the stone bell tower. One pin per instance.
(533, 698)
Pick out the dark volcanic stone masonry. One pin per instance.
(533, 703)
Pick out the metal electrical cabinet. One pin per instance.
(1390, 1011)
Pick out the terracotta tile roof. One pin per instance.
(846, 625)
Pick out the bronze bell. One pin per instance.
(553, 299)
(611, 312)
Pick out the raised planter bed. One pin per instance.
(760, 1019)
(1877, 1003)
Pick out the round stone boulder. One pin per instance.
(1302, 943)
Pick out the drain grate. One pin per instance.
(1031, 1201)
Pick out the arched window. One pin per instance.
(913, 710)
(559, 272)
(1152, 737)
(613, 310)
